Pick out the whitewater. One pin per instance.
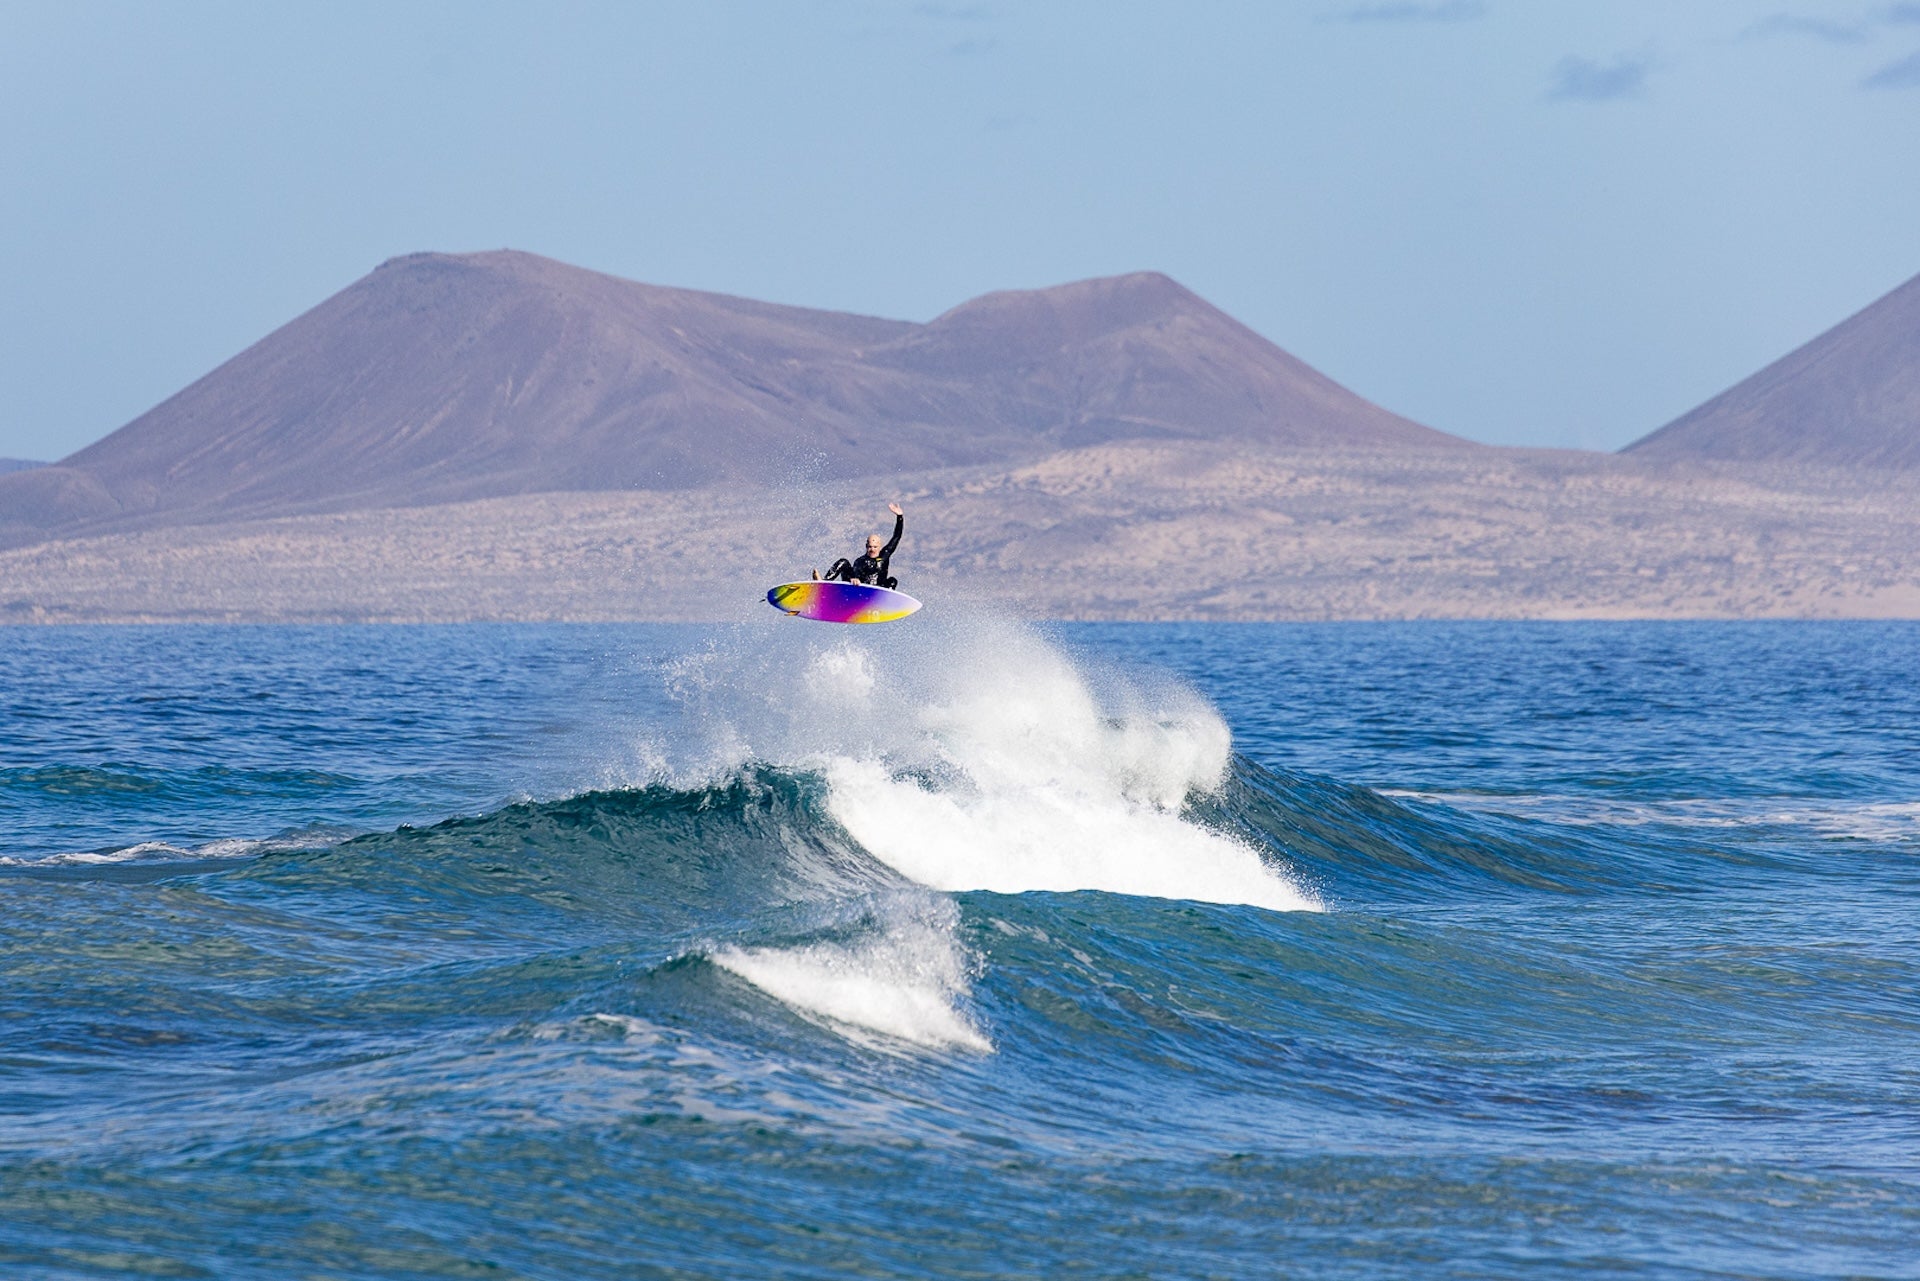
(961, 756)
(960, 946)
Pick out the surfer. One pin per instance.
(872, 568)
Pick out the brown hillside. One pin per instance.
(1848, 399)
(443, 378)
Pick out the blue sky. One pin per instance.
(1528, 223)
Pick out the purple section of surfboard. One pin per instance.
(841, 602)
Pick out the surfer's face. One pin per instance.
(873, 544)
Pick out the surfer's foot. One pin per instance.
(816, 575)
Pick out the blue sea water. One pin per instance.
(961, 947)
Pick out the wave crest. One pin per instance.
(976, 755)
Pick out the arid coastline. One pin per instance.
(1134, 531)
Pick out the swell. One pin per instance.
(821, 815)
(770, 835)
(1359, 847)
(748, 910)
(676, 856)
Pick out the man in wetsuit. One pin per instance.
(873, 568)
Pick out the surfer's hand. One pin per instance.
(895, 509)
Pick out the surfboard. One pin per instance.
(841, 602)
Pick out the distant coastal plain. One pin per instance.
(1110, 532)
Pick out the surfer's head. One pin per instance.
(873, 546)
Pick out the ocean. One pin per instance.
(961, 947)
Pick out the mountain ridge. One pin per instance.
(450, 377)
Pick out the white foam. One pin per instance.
(974, 755)
(166, 852)
(905, 984)
(1050, 837)
(964, 754)
(1888, 821)
(1041, 786)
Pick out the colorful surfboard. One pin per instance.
(841, 602)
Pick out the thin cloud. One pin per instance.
(1577, 79)
(1901, 74)
(1411, 11)
(1795, 24)
(1904, 74)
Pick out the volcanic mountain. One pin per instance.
(1848, 399)
(441, 378)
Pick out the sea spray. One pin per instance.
(975, 754)
(964, 754)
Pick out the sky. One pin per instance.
(1551, 223)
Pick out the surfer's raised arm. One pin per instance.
(899, 527)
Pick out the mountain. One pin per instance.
(442, 378)
(17, 464)
(1848, 399)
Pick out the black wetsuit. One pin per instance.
(871, 570)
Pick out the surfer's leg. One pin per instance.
(890, 583)
(842, 571)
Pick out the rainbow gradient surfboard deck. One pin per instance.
(841, 602)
